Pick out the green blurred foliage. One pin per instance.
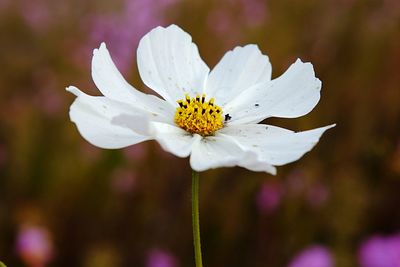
(109, 208)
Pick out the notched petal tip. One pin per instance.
(169, 28)
(101, 48)
(162, 28)
(306, 64)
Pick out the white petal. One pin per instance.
(224, 151)
(293, 94)
(112, 85)
(252, 162)
(237, 71)
(213, 152)
(274, 145)
(170, 64)
(93, 116)
(174, 139)
(138, 124)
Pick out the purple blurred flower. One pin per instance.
(37, 14)
(379, 251)
(121, 32)
(269, 198)
(160, 258)
(315, 256)
(33, 245)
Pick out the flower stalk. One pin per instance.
(196, 219)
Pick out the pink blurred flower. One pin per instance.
(315, 256)
(269, 198)
(33, 245)
(121, 32)
(160, 258)
(379, 251)
(36, 14)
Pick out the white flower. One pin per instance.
(210, 116)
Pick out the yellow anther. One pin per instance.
(203, 98)
(195, 115)
(187, 98)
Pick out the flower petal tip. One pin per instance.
(102, 47)
(173, 26)
(330, 126)
(74, 90)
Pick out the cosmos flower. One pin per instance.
(211, 116)
(314, 256)
(269, 197)
(160, 258)
(34, 246)
(380, 251)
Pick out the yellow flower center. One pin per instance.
(195, 115)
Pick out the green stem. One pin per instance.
(196, 219)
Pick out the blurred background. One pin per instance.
(65, 203)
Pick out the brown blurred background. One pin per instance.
(64, 202)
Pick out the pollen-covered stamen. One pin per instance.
(195, 115)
